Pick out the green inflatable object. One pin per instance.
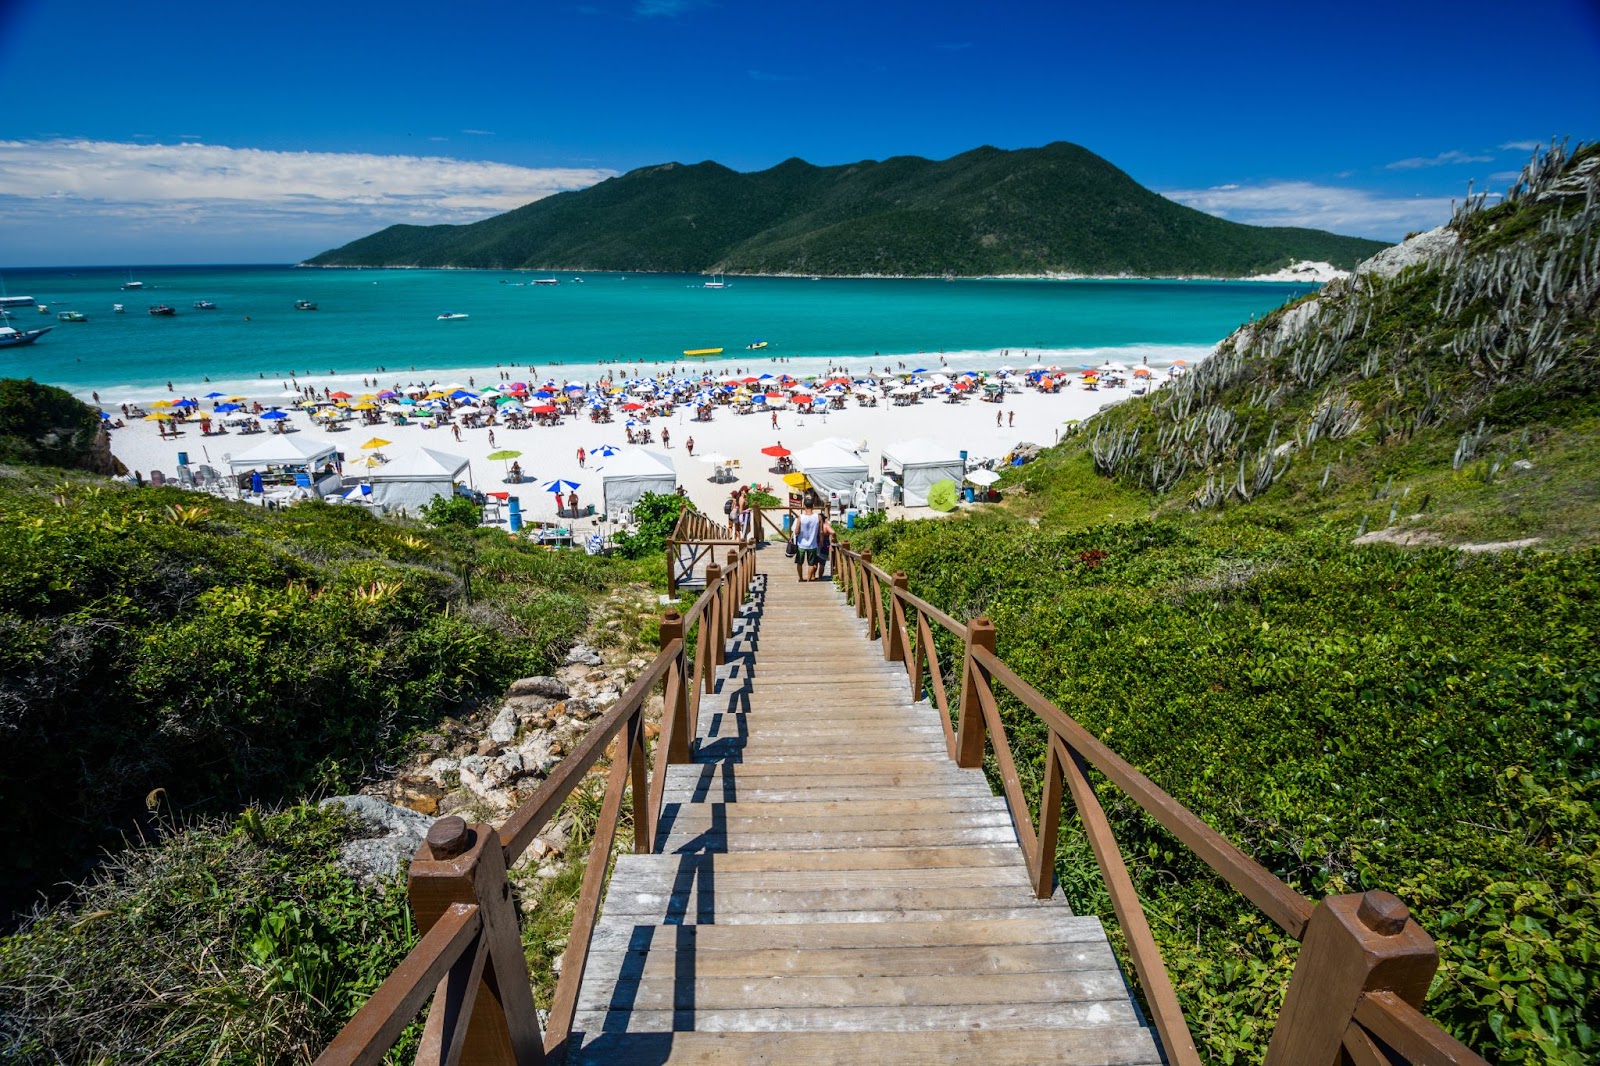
(943, 495)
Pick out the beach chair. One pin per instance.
(302, 481)
(157, 478)
(185, 477)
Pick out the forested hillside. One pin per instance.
(1059, 208)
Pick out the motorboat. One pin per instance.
(755, 346)
(131, 284)
(304, 305)
(8, 302)
(204, 305)
(163, 310)
(71, 316)
(118, 308)
(715, 283)
(451, 316)
(547, 281)
(11, 337)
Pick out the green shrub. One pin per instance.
(654, 517)
(46, 425)
(452, 510)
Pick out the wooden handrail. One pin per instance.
(1365, 965)
(367, 1037)
(470, 954)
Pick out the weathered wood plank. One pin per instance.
(1124, 1046)
(1031, 1015)
(969, 960)
(1042, 925)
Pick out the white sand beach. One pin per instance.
(550, 452)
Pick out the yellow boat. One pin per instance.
(756, 346)
(702, 351)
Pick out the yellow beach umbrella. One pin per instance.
(376, 442)
(237, 399)
(797, 480)
(371, 462)
(162, 403)
(363, 406)
(158, 416)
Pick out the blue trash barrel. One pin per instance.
(968, 491)
(183, 458)
(963, 456)
(850, 518)
(516, 513)
(787, 520)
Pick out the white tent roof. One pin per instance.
(284, 450)
(635, 462)
(827, 455)
(424, 464)
(920, 451)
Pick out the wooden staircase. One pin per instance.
(829, 887)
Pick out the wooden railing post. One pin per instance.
(734, 596)
(1353, 944)
(458, 863)
(969, 725)
(672, 567)
(710, 626)
(894, 645)
(862, 563)
(755, 523)
(844, 574)
(675, 696)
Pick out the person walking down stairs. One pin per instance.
(807, 531)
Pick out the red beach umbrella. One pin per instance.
(777, 451)
(633, 407)
(544, 409)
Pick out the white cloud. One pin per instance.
(119, 191)
(1520, 146)
(1330, 207)
(1443, 159)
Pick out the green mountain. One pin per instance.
(1056, 209)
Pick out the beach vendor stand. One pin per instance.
(291, 461)
(627, 476)
(920, 463)
(831, 467)
(409, 481)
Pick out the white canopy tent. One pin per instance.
(285, 452)
(412, 480)
(920, 462)
(633, 472)
(831, 467)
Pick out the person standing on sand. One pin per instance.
(774, 418)
(807, 530)
(491, 438)
(1013, 417)
(689, 446)
(664, 438)
(581, 458)
(997, 417)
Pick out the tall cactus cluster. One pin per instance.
(1513, 303)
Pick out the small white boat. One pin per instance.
(451, 316)
(204, 305)
(715, 283)
(117, 308)
(71, 316)
(547, 281)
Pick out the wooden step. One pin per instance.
(747, 1018)
(1120, 1046)
(1039, 925)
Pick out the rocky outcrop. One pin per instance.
(396, 831)
(1430, 247)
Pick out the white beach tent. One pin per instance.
(920, 462)
(285, 452)
(411, 480)
(631, 473)
(832, 466)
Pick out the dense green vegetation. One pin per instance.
(1424, 720)
(1056, 209)
(46, 425)
(223, 653)
(229, 943)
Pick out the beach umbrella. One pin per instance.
(274, 416)
(213, 395)
(255, 482)
(604, 450)
(376, 443)
(943, 495)
(395, 408)
(504, 455)
(633, 407)
(777, 451)
(226, 407)
(387, 394)
(983, 477)
(1141, 371)
(559, 486)
(544, 409)
(158, 416)
(340, 395)
(797, 480)
(363, 406)
(714, 458)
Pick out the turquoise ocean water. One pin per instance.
(372, 318)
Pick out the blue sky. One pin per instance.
(189, 132)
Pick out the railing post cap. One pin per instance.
(980, 622)
(449, 837)
(1383, 912)
(900, 578)
(671, 615)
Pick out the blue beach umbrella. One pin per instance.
(215, 395)
(607, 449)
(184, 403)
(559, 486)
(227, 407)
(255, 482)
(273, 415)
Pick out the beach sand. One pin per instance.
(550, 452)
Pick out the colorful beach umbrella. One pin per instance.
(375, 443)
(273, 416)
(560, 486)
(943, 494)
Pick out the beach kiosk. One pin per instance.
(919, 463)
(633, 472)
(410, 481)
(305, 462)
(831, 467)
